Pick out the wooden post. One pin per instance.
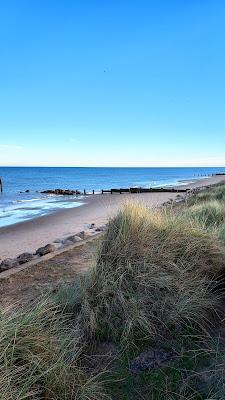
(93, 191)
(102, 191)
(1, 187)
(84, 192)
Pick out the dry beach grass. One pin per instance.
(156, 287)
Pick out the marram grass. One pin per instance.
(39, 357)
(155, 280)
(210, 214)
(153, 271)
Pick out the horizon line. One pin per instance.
(108, 166)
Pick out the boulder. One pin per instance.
(49, 248)
(64, 192)
(8, 263)
(67, 242)
(89, 226)
(57, 241)
(59, 245)
(81, 235)
(24, 258)
(74, 238)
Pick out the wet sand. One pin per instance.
(29, 235)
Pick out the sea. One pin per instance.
(17, 205)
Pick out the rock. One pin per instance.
(81, 234)
(67, 242)
(49, 248)
(74, 238)
(150, 359)
(57, 241)
(8, 263)
(24, 258)
(27, 191)
(59, 245)
(101, 228)
(89, 226)
(64, 192)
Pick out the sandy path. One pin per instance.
(26, 285)
(29, 235)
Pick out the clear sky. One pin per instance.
(112, 82)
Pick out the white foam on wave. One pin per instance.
(12, 215)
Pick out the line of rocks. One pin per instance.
(183, 197)
(58, 244)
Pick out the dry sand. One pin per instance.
(28, 236)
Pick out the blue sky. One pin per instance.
(112, 83)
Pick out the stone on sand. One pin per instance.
(8, 263)
(24, 258)
(49, 248)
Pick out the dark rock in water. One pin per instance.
(27, 191)
(64, 192)
(49, 248)
(8, 263)
(24, 258)
(150, 359)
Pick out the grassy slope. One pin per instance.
(156, 283)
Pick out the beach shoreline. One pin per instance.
(29, 235)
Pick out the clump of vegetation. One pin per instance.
(154, 284)
(209, 214)
(214, 193)
(39, 356)
(152, 273)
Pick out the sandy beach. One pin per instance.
(28, 236)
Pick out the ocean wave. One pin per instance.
(27, 200)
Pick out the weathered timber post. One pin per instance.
(102, 191)
(84, 192)
(93, 192)
(1, 186)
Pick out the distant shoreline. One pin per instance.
(27, 236)
(24, 194)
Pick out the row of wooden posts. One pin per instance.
(127, 190)
(132, 190)
(139, 190)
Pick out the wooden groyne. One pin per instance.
(145, 190)
(68, 192)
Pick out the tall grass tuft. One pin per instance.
(152, 273)
(39, 357)
(213, 193)
(208, 214)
